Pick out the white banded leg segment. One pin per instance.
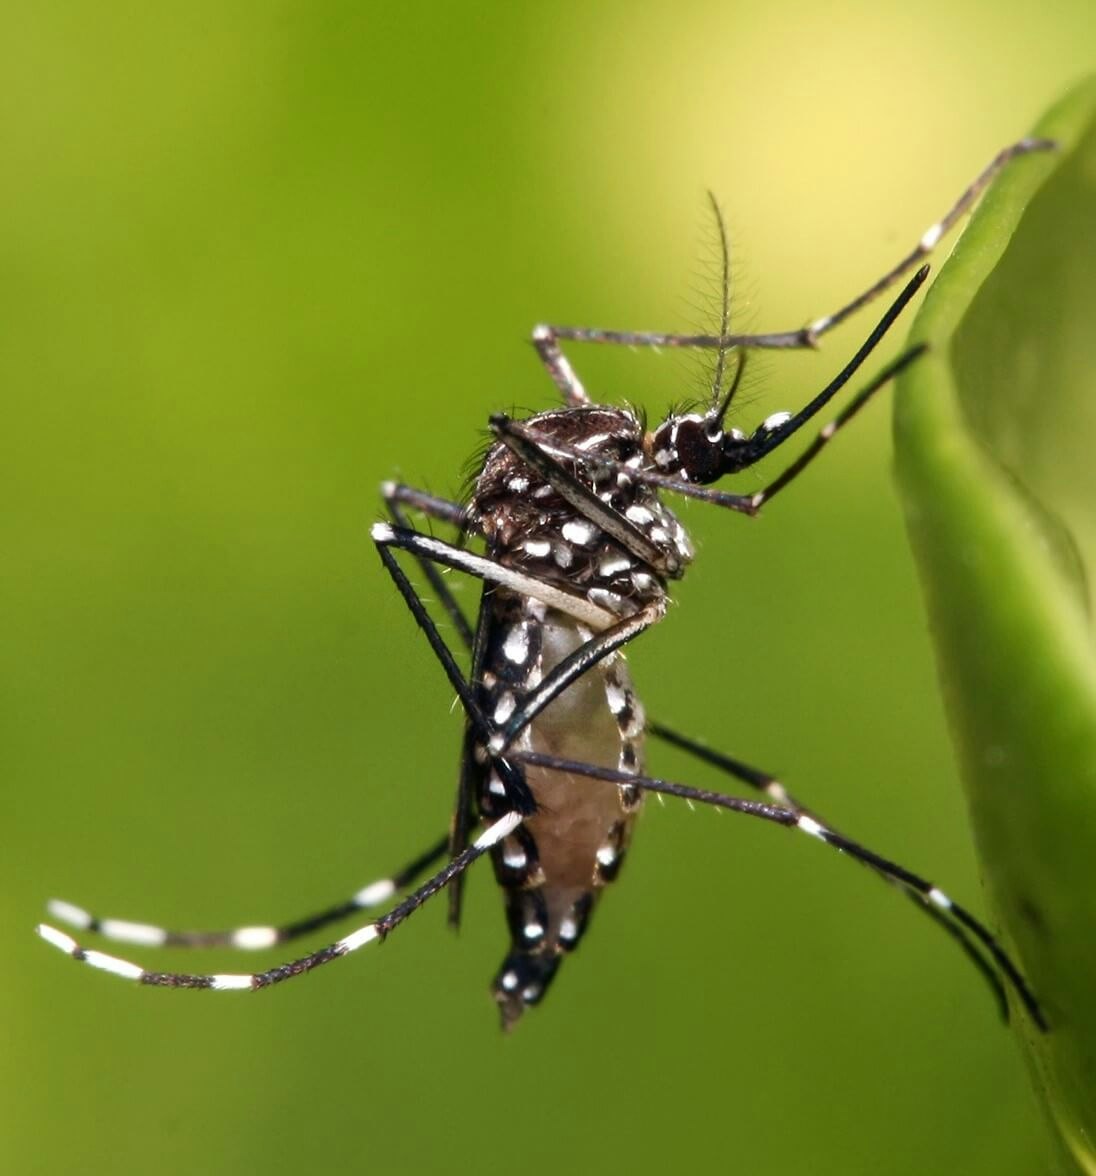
(254, 938)
(939, 899)
(358, 938)
(495, 833)
(249, 982)
(124, 969)
(58, 939)
(141, 934)
(229, 982)
(811, 827)
(375, 893)
(69, 912)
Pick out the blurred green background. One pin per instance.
(256, 258)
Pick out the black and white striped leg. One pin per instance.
(929, 239)
(764, 782)
(250, 981)
(256, 937)
(804, 823)
(800, 337)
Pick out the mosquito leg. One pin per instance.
(809, 335)
(826, 434)
(575, 665)
(775, 431)
(546, 344)
(489, 570)
(251, 938)
(223, 982)
(764, 782)
(780, 815)
(569, 670)
(517, 791)
(932, 235)
(396, 496)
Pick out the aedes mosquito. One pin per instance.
(578, 550)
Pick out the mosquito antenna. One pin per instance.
(724, 306)
(739, 368)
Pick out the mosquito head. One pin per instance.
(695, 446)
(690, 447)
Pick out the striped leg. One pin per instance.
(776, 792)
(804, 823)
(547, 339)
(250, 981)
(252, 938)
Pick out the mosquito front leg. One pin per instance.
(800, 337)
(929, 239)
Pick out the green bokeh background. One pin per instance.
(256, 258)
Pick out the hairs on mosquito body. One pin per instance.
(473, 465)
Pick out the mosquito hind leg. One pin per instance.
(803, 822)
(764, 782)
(252, 981)
(254, 937)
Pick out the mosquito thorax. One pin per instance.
(529, 526)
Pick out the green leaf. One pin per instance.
(995, 433)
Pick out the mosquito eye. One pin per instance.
(700, 452)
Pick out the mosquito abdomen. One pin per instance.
(553, 867)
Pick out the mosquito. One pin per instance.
(578, 550)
